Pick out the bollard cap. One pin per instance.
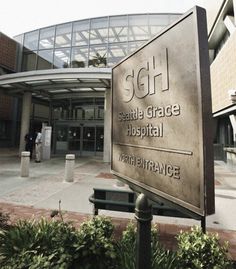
(143, 210)
(25, 154)
(70, 156)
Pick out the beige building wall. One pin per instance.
(223, 76)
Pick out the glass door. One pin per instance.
(74, 139)
(88, 145)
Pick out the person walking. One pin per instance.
(38, 147)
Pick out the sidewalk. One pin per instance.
(37, 195)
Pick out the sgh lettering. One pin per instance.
(140, 81)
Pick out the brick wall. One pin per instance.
(8, 49)
(5, 107)
(223, 75)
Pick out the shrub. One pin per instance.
(198, 250)
(126, 251)
(37, 245)
(57, 245)
(95, 248)
(4, 219)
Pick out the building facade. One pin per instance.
(63, 77)
(222, 47)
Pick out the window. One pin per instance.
(29, 61)
(62, 58)
(98, 56)
(99, 31)
(47, 37)
(116, 52)
(138, 27)
(45, 59)
(79, 57)
(31, 40)
(118, 30)
(63, 35)
(81, 33)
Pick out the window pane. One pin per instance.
(138, 27)
(63, 35)
(134, 46)
(62, 58)
(156, 29)
(29, 61)
(98, 56)
(116, 52)
(88, 138)
(160, 20)
(81, 33)
(99, 31)
(74, 138)
(31, 40)
(173, 17)
(47, 37)
(139, 33)
(118, 34)
(19, 38)
(99, 138)
(45, 58)
(88, 113)
(79, 57)
(99, 112)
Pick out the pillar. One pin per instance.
(234, 6)
(107, 127)
(233, 122)
(25, 119)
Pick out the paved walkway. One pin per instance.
(37, 195)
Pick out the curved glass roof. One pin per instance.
(95, 42)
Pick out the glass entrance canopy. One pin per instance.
(95, 42)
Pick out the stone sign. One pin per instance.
(161, 116)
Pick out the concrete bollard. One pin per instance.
(69, 167)
(24, 165)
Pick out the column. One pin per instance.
(233, 122)
(25, 119)
(234, 5)
(107, 127)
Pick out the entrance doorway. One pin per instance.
(83, 139)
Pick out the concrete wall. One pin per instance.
(223, 76)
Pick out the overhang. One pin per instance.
(47, 85)
(218, 29)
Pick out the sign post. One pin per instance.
(143, 214)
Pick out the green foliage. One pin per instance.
(37, 245)
(198, 250)
(57, 245)
(4, 219)
(126, 251)
(126, 248)
(95, 248)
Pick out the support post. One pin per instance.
(25, 119)
(69, 167)
(107, 127)
(24, 165)
(203, 224)
(143, 214)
